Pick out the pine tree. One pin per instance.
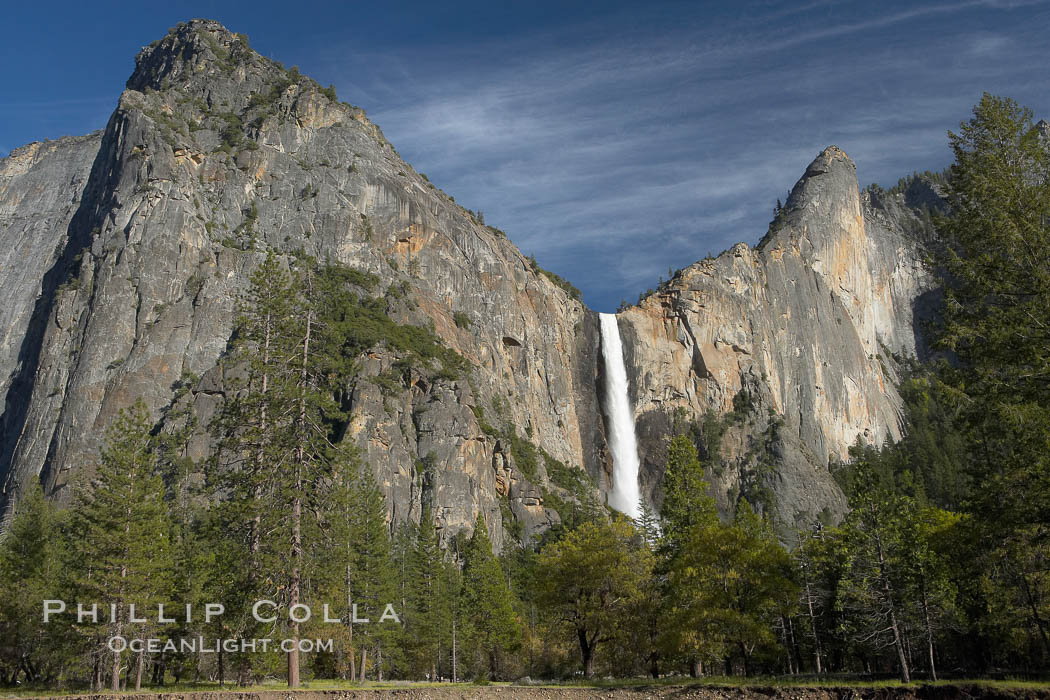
(32, 559)
(277, 450)
(648, 525)
(253, 447)
(122, 530)
(871, 591)
(997, 304)
(429, 601)
(357, 564)
(488, 600)
(686, 501)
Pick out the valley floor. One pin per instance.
(956, 690)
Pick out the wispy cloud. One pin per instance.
(614, 151)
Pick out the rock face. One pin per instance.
(792, 342)
(125, 252)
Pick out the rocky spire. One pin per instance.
(189, 48)
(822, 221)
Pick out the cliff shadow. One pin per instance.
(78, 238)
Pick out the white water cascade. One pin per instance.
(624, 496)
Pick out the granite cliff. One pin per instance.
(124, 252)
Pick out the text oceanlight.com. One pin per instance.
(200, 645)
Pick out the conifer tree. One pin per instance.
(276, 436)
(252, 434)
(687, 506)
(428, 619)
(121, 524)
(356, 560)
(871, 590)
(686, 502)
(32, 558)
(489, 602)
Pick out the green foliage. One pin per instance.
(997, 295)
(32, 570)
(122, 529)
(462, 320)
(357, 323)
(558, 280)
(231, 134)
(355, 564)
(526, 456)
(483, 423)
(686, 501)
(572, 479)
(432, 587)
(329, 92)
(931, 463)
(269, 98)
(728, 583)
(590, 580)
(492, 623)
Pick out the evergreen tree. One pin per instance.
(872, 589)
(687, 506)
(253, 447)
(357, 564)
(997, 305)
(277, 451)
(686, 502)
(32, 559)
(429, 601)
(122, 534)
(648, 524)
(489, 605)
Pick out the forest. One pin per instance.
(941, 568)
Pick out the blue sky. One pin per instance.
(611, 140)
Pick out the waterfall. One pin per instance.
(624, 496)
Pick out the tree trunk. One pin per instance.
(929, 633)
(813, 629)
(297, 510)
(796, 649)
(138, 672)
(696, 667)
(114, 678)
(786, 641)
(897, 641)
(96, 672)
(1036, 617)
(364, 662)
(349, 620)
(746, 656)
(222, 666)
(256, 533)
(587, 651)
